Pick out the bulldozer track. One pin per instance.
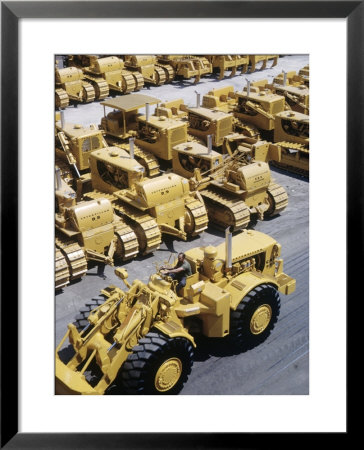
(290, 165)
(62, 273)
(279, 199)
(147, 160)
(62, 99)
(88, 93)
(127, 242)
(74, 256)
(292, 145)
(291, 168)
(139, 80)
(101, 89)
(100, 86)
(198, 213)
(169, 72)
(128, 82)
(246, 129)
(143, 225)
(226, 211)
(159, 76)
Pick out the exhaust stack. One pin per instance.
(197, 99)
(228, 249)
(62, 118)
(58, 179)
(248, 87)
(147, 113)
(131, 151)
(209, 143)
(284, 78)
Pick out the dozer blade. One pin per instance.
(69, 382)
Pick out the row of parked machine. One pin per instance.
(85, 78)
(138, 176)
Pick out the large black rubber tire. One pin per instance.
(241, 334)
(138, 374)
(81, 319)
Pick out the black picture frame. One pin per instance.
(11, 12)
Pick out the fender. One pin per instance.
(244, 283)
(173, 330)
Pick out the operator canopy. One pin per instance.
(130, 102)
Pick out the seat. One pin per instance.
(189, 281)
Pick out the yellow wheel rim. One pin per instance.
(168, 374)
(260, 319)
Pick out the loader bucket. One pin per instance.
(69, 382)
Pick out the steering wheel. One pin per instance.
(164, 274)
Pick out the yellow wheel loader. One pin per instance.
(142, 338)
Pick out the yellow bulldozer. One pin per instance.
(154, 135)
(297, 95)
(263, 114)
(73, 145)
(305, 71)
(107, 74)
(164, 134)
(291, 78)
(153, 73)
(255, 59)
(150, 206)
(186, 66)
(87, 231)
(72, 87)
(200, 121)
(223, 63)
(291, 134)
(142, 338)
(206, 119)
(237, 188)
